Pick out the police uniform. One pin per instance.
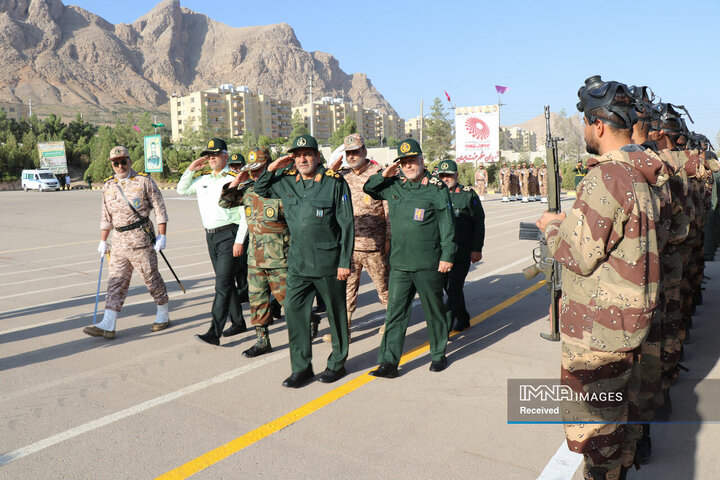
(223, 228)
(319, 215)
(132, 247)
(269, 241)
(469, 237)
(422, 236)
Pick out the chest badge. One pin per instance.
(248, 212)
(367, 199)
(419, 214)
(136, 202)
(269, 212)
(319, 213)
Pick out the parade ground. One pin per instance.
(163, 405)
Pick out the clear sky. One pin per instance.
(543, 50)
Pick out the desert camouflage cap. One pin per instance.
(447, 166)
(354, 141)
(304, 141)
(257, 158)
(118, 152)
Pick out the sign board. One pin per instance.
(153, 154)
(52, 157)
(477, 134)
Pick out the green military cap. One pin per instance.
(447, 166)
(236, 159)
(408, 148)
(215, 145)
(257, 158)
(304, 141)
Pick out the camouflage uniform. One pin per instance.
(608, 248)
(514, 183)
(372, 230)
(481, 180)
(534, 187)
(504, 179)
(524, 181)
(132, 249)
(542, 180)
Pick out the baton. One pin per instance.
(97, 295)
(173, 271)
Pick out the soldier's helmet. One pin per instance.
(610, 102)
(257, 158)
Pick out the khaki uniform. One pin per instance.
(481, 179)
(542, 180)
(372, 230)
(505, 182)
(132, 249)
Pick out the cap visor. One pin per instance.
(207, 152)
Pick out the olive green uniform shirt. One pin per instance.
(469, 219)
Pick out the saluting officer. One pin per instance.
(125, 195)
(225, 231)
(319, 214)
(422, 250)
(469, 238)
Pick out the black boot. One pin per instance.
(275, 310)
(262, 346)
(314, 325)
(643, 450)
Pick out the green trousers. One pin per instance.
(401, 289)
(454, 287)
(226, 301)
(298, 308)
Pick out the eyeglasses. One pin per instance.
(119, 163)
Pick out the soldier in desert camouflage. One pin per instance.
(610, 277)
(267, 247)
(524, 182)
(504, 181)
(372, 227)
(542, 182)
(481, 180)
(132, 248)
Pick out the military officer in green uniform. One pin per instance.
(469, 239)
(421, 252)
(236, 163)
(579, 171)
(268, 246)
(319, 214)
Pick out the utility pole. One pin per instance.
(312, 107)
(422, 122)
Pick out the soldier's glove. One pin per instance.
(102, 248)
(160, 243)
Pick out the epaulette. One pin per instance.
(232, 173)
(436, 182)
(332, 173)
(467, 189)
(290, 171)
(200, 173)
(143, 174)
(108, 178)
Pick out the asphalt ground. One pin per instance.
(149, 404)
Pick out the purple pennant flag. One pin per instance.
(500, 89)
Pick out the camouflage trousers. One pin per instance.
(673, 328)
(261, 283)
(123, 260)
(481, 188)
(505, 188)
(607, 375)
(544, 189)
(525, 189)
(377, 267)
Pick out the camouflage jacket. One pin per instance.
(608, 248)
(144, 195)
(269, 235)
(504, 175)
(372, 223)
(481, 176)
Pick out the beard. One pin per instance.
(592, 147)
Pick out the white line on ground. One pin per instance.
(562, 466)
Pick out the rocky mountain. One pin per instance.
(62, 54)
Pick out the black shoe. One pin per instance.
(314, 325)
(297, 380)
(234, 330)
(385, 370)
(438, 365)
(330, 376)
(209, 338)
(459, 326)
(257, 350)
(319, 308)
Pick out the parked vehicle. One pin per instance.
(39, 180)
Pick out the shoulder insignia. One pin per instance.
(291, 171)
(332, 173)
(467, 189)
(143, 174)
(436, 182)
(108, 178)
(200, 173)
(231, 173)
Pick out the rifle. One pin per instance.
(543, 261)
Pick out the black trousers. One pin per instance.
(227, 301)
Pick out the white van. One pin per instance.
(39, 180)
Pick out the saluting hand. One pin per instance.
(241, 177)
(337, 165)
(444, 267)
(198, 164)
(343, 274)
(281, 163)
(392, 170)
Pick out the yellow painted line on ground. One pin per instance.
(78, 243)
(222, 452)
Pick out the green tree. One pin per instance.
(338, 136)
(439, 134)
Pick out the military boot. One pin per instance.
(262, 345)
(602, 473)
(644, 446)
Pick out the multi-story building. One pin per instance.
(230, 111)
(412, 128)
(15, 111)
(517, 139)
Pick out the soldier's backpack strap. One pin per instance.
(141, 219)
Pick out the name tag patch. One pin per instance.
(419, 214)
(318, 213)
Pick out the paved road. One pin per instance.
(146, 404)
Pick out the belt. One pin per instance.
(220, 229)
(132, 226)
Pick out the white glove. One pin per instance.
(102, 248)
(160, 243)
